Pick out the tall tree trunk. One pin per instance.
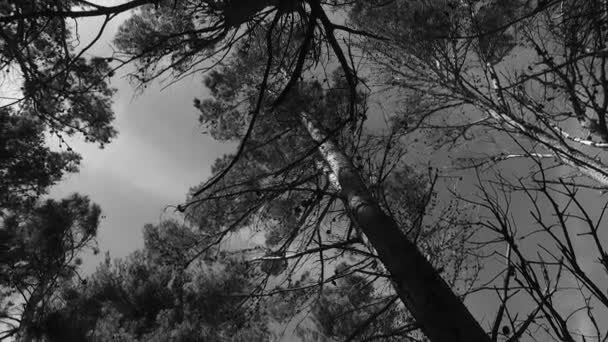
(442, 315)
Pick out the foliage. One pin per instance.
(39, 253)
(149, 297)
(51, 91)
(64, 91)
(352, 309)
(178, 37)
(27, 166)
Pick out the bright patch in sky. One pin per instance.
(158, 155)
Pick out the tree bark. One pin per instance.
(441, 314)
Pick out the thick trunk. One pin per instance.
(435, 307)
(239, 12)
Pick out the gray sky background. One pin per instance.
(158, 155)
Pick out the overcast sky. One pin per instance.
(158, 155)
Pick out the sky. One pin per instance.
(158, 155)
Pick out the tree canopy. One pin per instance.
(147, 296)
(50, 91)
(40, 251)
(355, 238)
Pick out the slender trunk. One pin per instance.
(442, 315)
(581, 162)
(584, 164)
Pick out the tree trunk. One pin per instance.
(442, 315)
(239, 12)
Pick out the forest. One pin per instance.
(401, 170)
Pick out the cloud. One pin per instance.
(158, 155)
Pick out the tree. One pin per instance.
(438, 310)
(171, 37)
(51, 91)
(465, 63)
(39, 253)
(361, 307)
(148, 296)
(531, 74)
(55, 90)
(277, 172)
(57, 86)
(178, 38)
(27, 166)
